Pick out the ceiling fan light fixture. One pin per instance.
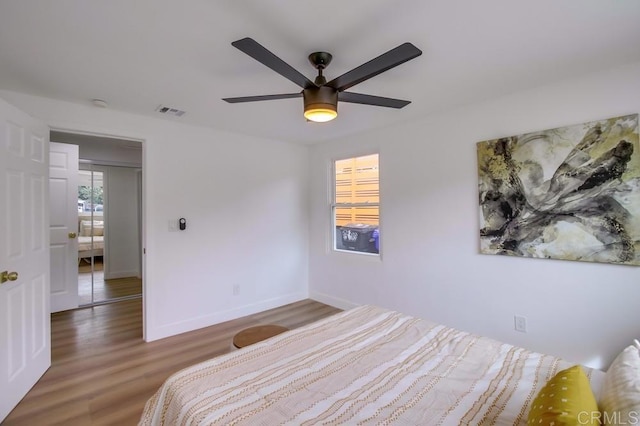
(320, 115)
(320, 104)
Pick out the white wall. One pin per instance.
(241, 196)
(430, 264)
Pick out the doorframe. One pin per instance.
(143, 210)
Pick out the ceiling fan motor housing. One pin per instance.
(323, 97)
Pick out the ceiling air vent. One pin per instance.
(170, 111)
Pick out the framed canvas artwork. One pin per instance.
(570, 193)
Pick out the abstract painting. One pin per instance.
(571, 193)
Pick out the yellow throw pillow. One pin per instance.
(566, 399)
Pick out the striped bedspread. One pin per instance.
(363, 366)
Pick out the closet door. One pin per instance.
(92, 288)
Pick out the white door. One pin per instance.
(25, 326)
(63, 202)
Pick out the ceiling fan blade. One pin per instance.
(394, 57)
(262, 55)
(262, 98)
(359, 98)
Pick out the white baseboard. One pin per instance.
(332, 301)
(155, 333)
(120, 274)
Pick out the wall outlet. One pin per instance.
(520, 323)
(236, 289)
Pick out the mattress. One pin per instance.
(367, 365)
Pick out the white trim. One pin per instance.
(109, 135)
(121, 274)
(331, 243)
(361, 152)
(111, 163)
(332, 301)
(160, 332)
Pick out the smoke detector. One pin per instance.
(99, 103)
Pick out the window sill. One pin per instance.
(357, 254)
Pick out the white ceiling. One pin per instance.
(138, 54)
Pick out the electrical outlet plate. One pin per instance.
(520, 323)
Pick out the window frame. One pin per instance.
(333, 205)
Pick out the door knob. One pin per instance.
(8, 276)
(72, 235)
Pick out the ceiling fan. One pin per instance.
(321, 97)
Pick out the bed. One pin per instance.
(90, 238)
(367, 365)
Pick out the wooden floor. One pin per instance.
(102, 371)
(103, 289)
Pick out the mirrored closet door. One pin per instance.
(90, 234)
(108, 234)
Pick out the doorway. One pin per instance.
(109, 225)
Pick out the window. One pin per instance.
(356, 204)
